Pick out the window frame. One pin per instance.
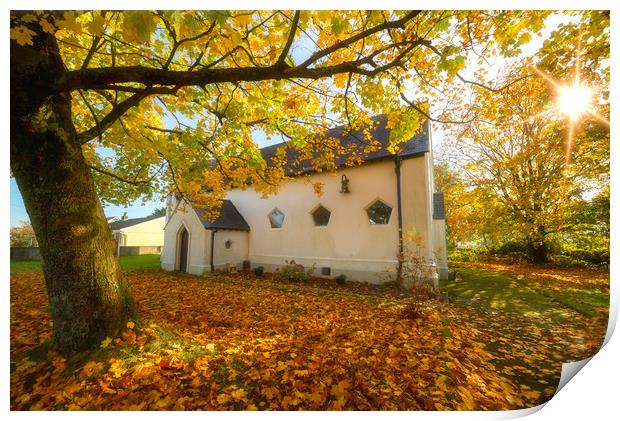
(271, 221)
(315, 209)
(373, 203)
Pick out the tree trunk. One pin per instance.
(538, 247)
(88, 300)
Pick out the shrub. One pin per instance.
(582, 258)
(340, 279)
(295, 272)
(466, 255)
(421, 292)
(258, 271)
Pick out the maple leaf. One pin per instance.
(223, 398)
(22, 35)
(129, 336)
(95, 27)
(238, 394)
(92, 368)
(105, 343)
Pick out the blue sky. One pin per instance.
(18, 210)
(136, 210)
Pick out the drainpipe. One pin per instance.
(212, 247)
(399, 208)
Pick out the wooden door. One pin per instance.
(184, 249)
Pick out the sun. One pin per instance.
(574, 100)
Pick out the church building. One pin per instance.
(356, 228)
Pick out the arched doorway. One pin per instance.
(183, 242)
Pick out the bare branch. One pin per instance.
(289, 41)
(119, 178)
(119, 110)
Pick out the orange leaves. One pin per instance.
(231, 342)
(92, 368)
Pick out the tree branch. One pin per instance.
(346, 42)
(119, 178)
(149, 76)
(289, 41)
(119, 110)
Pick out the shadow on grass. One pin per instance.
(501, 293)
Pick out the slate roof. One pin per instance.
(417, 145)
(229, 219)
(439, 210)
(120, 224)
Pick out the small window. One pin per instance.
(276, 218)
(321, 216)
(379, 213)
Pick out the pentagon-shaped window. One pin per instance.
(321, 216)
(379, 213)
(276, 218)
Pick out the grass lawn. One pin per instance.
(526, 287)
(144, 261)
(535, 319)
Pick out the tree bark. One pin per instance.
(88, 300)
(538, 247)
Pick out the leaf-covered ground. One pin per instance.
(237, 342)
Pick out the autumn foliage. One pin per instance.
(236, 342)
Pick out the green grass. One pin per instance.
(145, 261)
(587, 302)
(501, 292)
(21, 266)
(495, 291)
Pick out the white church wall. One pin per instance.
(416, 195)
(441, 253)
(233, 257)
(199, 239)
(349, 244)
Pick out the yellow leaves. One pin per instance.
(468, 399)
(138, 25)
(223, 399)
(239, 394)
(96, 25)
(339, 390)
(22, 35)
(318, 188)
(270, 392)
(130, 325)
(105, 343)
(243, 18)
(116, 368)
(340, 80)
(70, 22)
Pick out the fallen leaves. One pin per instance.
(235, 343)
